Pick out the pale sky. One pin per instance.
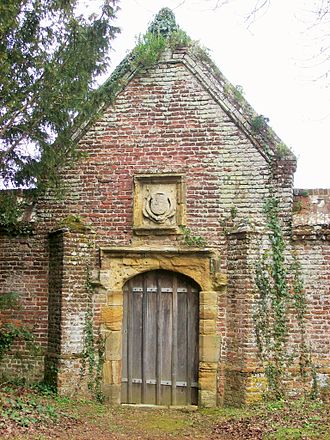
(271, 60)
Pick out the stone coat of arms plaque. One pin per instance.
(159, 204)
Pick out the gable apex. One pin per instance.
(165, 42)
(164, 23)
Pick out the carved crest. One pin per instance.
(158, 206)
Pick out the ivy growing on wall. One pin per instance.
(280, 293)
(9, 331)
(306, 368)
(192, 240)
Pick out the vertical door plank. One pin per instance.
(182, 342)
(159, 343)
(189, 345)
(136, 317)
(167, 338)
(151, 337)
(124, 387)
(174, 339)
(144, 348)
(129, 343)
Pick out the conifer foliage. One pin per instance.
(50, 55)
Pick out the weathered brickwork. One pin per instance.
(311, 234)
(24, 269)
(165, 121)
(173, 119)
(70, 297)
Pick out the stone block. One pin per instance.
(113, 346)
(207, 398)
(209, 346)
(112, 394)
(208, 298)
(256, 386)
(208, 366)
(112, 372)
(112, 317)
(104, 277)
(207, 327)
(115, 298)
(208, 380)
(208, 312)
(220, 281)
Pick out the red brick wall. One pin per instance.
(314, 257)
(24, 269)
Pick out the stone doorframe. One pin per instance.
(120, 264)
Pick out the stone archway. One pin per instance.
(118, 265)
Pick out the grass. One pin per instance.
(39, 414)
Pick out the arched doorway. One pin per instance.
(160, 339)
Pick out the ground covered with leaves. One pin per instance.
(35, 414)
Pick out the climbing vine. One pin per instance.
(280, 292)
(9, 331)
(306, 367)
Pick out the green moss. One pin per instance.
(148, 50)
(282, 150)
(165, 423)
(164, 23)
(285, 433)
(74, 223)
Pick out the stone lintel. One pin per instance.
(121, 251)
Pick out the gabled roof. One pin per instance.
(165, 41)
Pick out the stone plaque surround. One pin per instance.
(159, 204)
(118, 265)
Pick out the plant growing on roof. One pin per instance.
(259, 124)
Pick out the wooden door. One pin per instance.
(160, 340)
